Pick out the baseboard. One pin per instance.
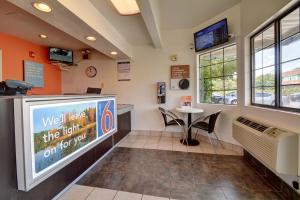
(283, 189)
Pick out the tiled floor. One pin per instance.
(156, 166)
(80, 192)
(171, 141)
(175, 175)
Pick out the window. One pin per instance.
(218, 76)
(275, 56)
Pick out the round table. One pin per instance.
(190, 111)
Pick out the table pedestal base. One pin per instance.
(190, 142)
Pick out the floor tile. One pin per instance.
(127, 196)
(102, 194)
(178, 174)
(77, 192)
(148, 197)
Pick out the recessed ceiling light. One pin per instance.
(91, 38)
(114, 53)
(126, 7)
(43, 36)
(41, 6)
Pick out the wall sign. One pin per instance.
(124, 71)
(59, 133)
(34, 73)
(179, 73)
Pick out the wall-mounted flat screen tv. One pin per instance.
(60, 55)
(213, 35)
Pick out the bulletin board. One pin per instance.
(34, 73)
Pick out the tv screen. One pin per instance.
(211, 36)
(60, 55)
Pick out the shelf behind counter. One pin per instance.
(57, 182)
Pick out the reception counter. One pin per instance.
(49, 141)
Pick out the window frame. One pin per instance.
(223, 76)
(277, 64)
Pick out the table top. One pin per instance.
(189, 110)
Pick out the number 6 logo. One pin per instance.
(106, 114)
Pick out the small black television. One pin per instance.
(60, 55)
(211, 36)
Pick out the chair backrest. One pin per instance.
(212, 121)
(163, 112)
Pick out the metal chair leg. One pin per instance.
(218, 140)
(211, 142)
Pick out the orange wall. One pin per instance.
(15, 51)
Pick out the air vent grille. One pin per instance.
(259, 127)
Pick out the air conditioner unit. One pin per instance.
(274, 147)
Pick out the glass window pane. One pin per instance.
(269, 76)
(231, 97)
(258, 78)
(204, 60)
(215, 74)
(290, 24)
(290, 73)
(257, 43)
(205, 72)
(230, 68)
(230, 53)
(290, 96)
(206, 84)
(217, 84)
(217, 56)
(268, 96)
(268, 56)
(218, 97)
(230, 82)
(290, 48)
(268, 37)
(217, 70)
(206, 96)
(258, 60)
(257, 96)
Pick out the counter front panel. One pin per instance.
(51, 133)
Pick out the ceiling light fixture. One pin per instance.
(41, 6)
(114, 53)
(43, 36)
(126, 7)
(90, 38)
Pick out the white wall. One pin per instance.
(229, 112)
(249, 23)
(149, 67)
(152, 65)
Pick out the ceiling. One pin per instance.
(131, 27)
(181, 14)
(70, 21)
(17, 22)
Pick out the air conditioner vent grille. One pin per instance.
(259, 127)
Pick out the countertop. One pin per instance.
(124, 108)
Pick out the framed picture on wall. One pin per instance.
(34, 73)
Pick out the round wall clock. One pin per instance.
(184, 84)
(91, 71)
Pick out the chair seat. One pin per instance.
(201, 125)
(173, 122)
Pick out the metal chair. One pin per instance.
(207, 124)
(175, 120)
